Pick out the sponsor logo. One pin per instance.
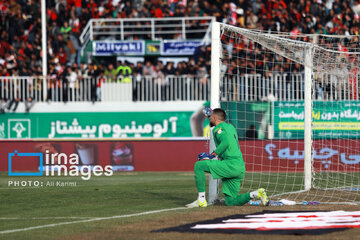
(58, 164)
(276, 222)
(19, 128)
(24, 156)
(290, 220)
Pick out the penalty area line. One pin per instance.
(90, 220)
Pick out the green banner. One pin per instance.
(152, 47)
(95, 125)
(330, 119)
(243, 115)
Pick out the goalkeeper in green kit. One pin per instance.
(230, 167)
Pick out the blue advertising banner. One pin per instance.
(174, 47)
(107, 48)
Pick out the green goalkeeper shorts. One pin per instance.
(231, 172)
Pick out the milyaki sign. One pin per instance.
(96, 125)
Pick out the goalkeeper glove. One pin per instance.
(207, 111)
(206, 156)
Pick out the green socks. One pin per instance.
(239, 200)
(200, 178)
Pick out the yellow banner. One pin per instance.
(320, 126)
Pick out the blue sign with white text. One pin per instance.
(174, 47)
(107, 48)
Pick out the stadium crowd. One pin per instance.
(20, 31)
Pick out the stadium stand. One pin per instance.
(20, 41)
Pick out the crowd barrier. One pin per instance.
(249, 87)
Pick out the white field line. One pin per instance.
(41, 218)
(89, 220)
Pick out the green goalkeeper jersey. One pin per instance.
(226, 141)
(231, 168)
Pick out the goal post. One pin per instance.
(294, 100)
(214, 97)
(307, 120)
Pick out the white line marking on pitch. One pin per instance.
(90, 220)
(41, 218)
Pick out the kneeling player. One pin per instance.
(231, 167)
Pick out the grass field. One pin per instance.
(116, 207)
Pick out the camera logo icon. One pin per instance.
(23, 158)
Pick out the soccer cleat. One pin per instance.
(219, 202)
(196, 203)
(263, 196)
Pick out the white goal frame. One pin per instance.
(216, 50)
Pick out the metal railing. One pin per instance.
(288, 87)
(255, 87)
(146, 28)
(22, 88)
(250, 87)
(332, 87)
(171, 88)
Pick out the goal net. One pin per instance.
(294, 100)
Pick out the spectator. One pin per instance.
(199, 53)
(67, 84)
(169, 69)
(137, 76)
(342, 81)
(14, 101)
(191, 68)
(92, 73)
(161, 82)
(10, 62)
(54, 30)
(61, 56)
(73, 83)
(4, 45)
(78, 7)
(101, 80)
(251, 133)
(148, 70)
(353, 79)
(75, 49)
(52, 86)
(110, 73)
(125, 72)
(180, 69)
(29, 103)
(251, 20)
(202, 73)
(4, 105)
